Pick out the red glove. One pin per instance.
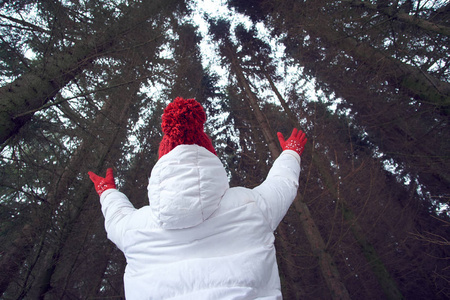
(103, 184)
(295, 142)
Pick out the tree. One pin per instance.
(59, 65)
(329, 272)
(56, 215)
(373, 174)
(316, 36)
(366, 62)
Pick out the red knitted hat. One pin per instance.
(182, 124)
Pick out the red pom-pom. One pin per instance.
(182, 120)
(182, 123)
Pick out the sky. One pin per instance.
(219, 9)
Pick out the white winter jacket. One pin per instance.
(198, 238)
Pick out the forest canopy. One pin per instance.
(83, 85)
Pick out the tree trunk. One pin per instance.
(263, 123)
(319, 249)
(12, 260)
(386, 282)
(291, 117)
(329, 271)
(20, 99)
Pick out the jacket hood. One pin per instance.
(186, 186)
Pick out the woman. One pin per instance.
(198, 238)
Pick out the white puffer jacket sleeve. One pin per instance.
(116, 212)
(278, 191)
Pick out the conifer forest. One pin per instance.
(84, 83)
